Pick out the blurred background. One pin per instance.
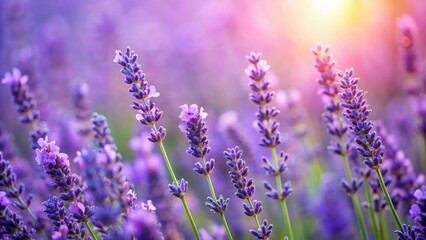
(194, 52)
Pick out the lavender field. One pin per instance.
(213, 119)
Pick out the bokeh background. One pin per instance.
(194, 52)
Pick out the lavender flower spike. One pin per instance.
(324, 63)
(57, 166)
(357, 111)
(149, 115)
(194, 126)
(26, 105)
(245, 189)
(142, 92)
(268, 126)
(11, 224)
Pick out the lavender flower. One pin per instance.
(263, 232)
(7, 183)
(262, 97)
(111, 161)
(148, 113)
(56, 165)
(356, 110)
(11, 224)
(245, 190)
(101, 130)
(26, 105)
(418, 212)
(142, 223)
(194, 126)
(405, 180)
(408, 234)
(63, 221)
(267, 125)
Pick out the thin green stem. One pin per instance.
(376, 231)
(280, 189)
(225, 223)
(166, 159)
(383, 226)
(172, 174)
(212, 192)
(388, 199)
(191, 219)
(355, 201)
(91, 230)
(28, 210)
(255, 216)
(359, 217)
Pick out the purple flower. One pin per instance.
(190, 113)
(143, 224)
(194, 126)
(60, 217)
(400, 168)
(357, 111)
(4, 201)
(142, 92)
(264, 231)
(262, 96)
(26, 105)
(48, 154)
(245, 189)
(15, 78)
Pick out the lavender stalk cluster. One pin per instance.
(11, 224)
(57, 166)
(245, 189)
(8, 184)
(110, 159)
(26, 105)
(418, 217)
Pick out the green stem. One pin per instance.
(255, 216)
(388, 199)
(172, 174)
(212, 192)
(28, 210)
(383, 226)
(191, 219)
(280, 189)
(355, 201)
(359, 217)
(376, 231)
(91, 230)
(166, 159)
(225, 223)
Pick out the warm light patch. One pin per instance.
(326, 6)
